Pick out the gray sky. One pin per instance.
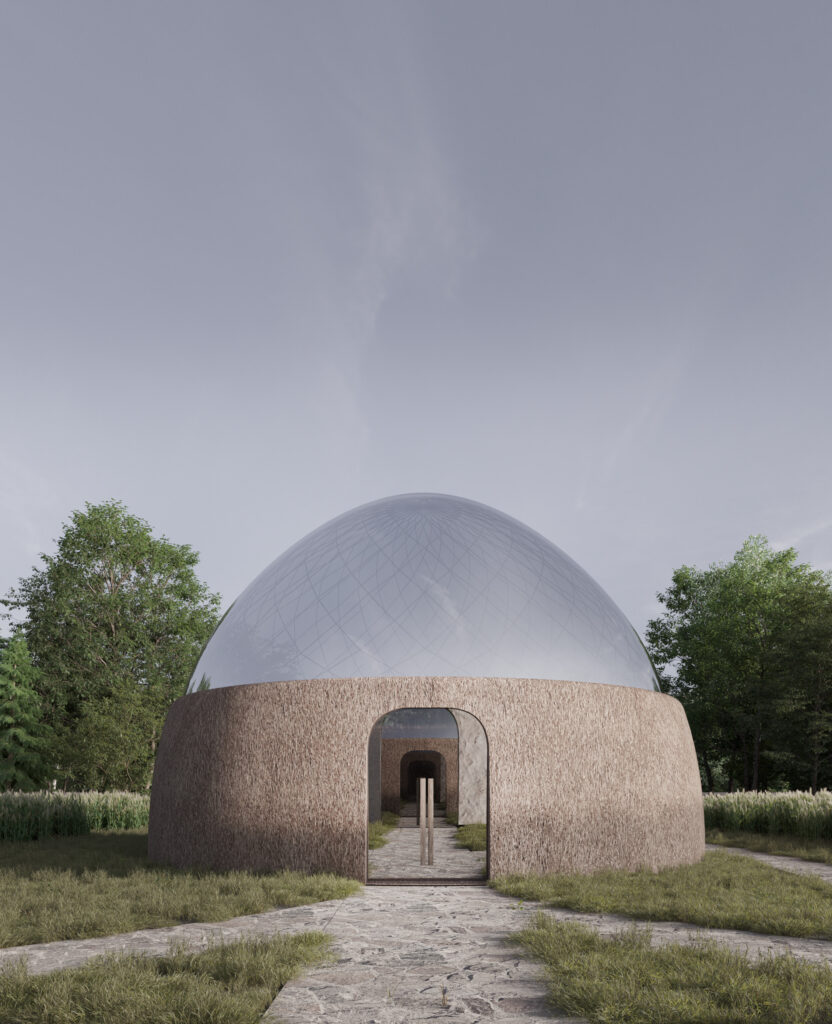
(262, 262)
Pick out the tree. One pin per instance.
(22, 732)
(741, 641)
(115, 621)
(811, 727)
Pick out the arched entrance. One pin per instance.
(450, 747)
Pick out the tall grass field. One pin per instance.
(794, 813)
(37, 815)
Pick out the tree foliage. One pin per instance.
(23, 734)
(115, 621)
(747, 648)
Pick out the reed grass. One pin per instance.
(794, 813)
(28, 816)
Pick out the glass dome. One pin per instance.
(423, 585)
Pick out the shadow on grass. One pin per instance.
(818, 850)
(117, 853)
(73, 887)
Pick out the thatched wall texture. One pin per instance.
(581, 776)
(374, 773)
(397, 752)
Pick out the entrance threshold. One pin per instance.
(427, 881)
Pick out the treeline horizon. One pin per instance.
(114, 621)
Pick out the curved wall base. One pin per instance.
(582, 776)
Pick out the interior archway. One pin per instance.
(449, 746)
(429, 764)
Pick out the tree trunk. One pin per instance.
(709, 775)
(755, 781)
(817, 733)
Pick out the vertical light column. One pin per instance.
(423, 853)
(430, 821)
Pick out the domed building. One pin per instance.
(277, 756)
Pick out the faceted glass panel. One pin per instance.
(424, 585)
(436, 723)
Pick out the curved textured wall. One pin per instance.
(582, 776)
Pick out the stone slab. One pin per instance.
(400, 858)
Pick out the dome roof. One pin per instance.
(424, 585)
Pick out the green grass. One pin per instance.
(35, 815)
(102, 884)
(625, 981)
(377, 831)
(471, 837)
(786, 846)
(233, 983)
(722, 891)
(795, 813)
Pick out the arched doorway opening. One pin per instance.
(450, 747)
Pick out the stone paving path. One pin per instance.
(799, 867)
(45, 957)
(400, 857)
(409, 953)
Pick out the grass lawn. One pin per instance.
(625, 981)
(377, 831)
(233, 983)
(787, 846)
(722, 891)
(471, 837)
(72, 887)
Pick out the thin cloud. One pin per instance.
(804, 533)
(626, 438)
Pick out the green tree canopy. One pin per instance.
(22, 732)
(115, 621)
(745, 646)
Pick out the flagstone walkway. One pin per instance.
(400, 858)
(407, 953)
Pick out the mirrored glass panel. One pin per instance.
(424, 585)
